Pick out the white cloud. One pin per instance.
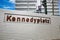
(13, 1)
(7, 7)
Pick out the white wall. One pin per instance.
(29, 31)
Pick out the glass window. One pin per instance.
(25, 5)
(59, 6)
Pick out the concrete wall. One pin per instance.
(29, 31)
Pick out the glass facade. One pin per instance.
(59, 6)
(24, 5)
(31, 5)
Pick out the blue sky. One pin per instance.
(7, 4)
